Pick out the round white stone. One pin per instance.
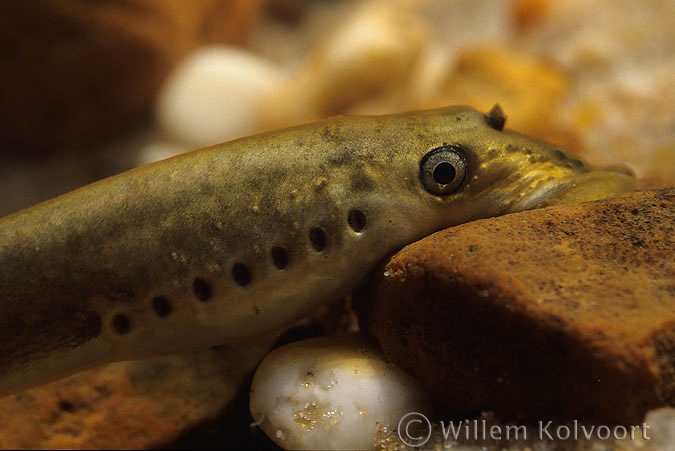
(331, 393)
(217, 94)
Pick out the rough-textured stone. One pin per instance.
(143, 404)
(75, 71)
(564, 312)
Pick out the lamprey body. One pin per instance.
(232, 240)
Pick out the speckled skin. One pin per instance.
(81, 273)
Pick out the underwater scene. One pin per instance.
(302, 224)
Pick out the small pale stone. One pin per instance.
(331, 393)
(160, 151)
(373, 53)
(217, 94)
(662, 428)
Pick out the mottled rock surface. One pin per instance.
(132, 405)
(563, 312)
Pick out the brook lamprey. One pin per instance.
(239, 238)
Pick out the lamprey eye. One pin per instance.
(442, 170)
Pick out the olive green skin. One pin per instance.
(80, 273)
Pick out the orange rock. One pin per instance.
(132, 405)
(528, 89)
(73, 72)
(565, 312)
(530, 13)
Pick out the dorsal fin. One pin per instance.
(496, 118)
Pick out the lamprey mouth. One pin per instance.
(582, 187)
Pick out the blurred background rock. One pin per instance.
(75, 72)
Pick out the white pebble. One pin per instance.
(160, 150)
(372, 53)
(215, 95)
(331, 393)
(661, 430)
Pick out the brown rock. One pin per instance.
(565, 312)
(74, 71)
(132, 405)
